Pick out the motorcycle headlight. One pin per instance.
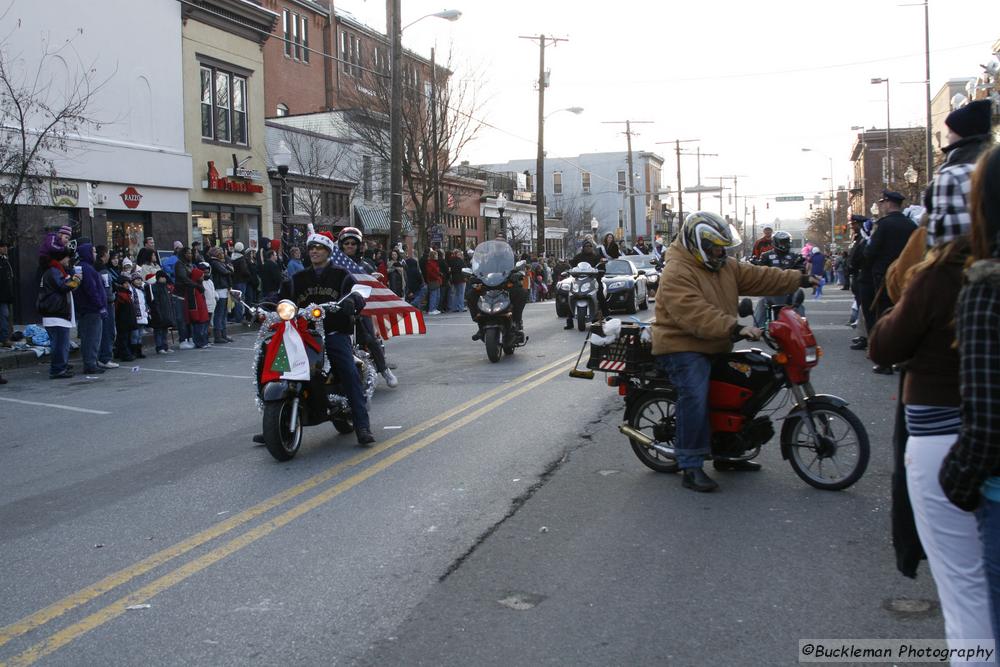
(812, 354)
(564, 286)
(287, 310)
(617, 284)
(586, 287)
(491, 305)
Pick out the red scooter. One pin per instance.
(825, 443)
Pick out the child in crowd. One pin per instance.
(197, 309)
(161, 311)
(211, 295)
(125, 319)
(141, 305)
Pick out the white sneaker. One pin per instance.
(186, 345)
(107, 364)
(161, 351)
(168, 351)
(434, 312)
(390, 378)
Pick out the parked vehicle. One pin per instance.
(296, 387)
(823, 440)
(491, 277)
(625, 288)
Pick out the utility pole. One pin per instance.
(540, 160)
(435, 184)
(699, 154)
(680, 191)
(395, 124)
(631, 171)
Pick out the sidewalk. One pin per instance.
(11, 358)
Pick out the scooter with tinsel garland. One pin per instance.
(294, 383)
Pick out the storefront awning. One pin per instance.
(376, 220)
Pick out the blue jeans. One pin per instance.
(219, 317)
(107, 349)
(199, 332)
(5, 328)
(90, 327)
(160, 336)
(689, 373)
(419, 297)
(338, 351)
(183, 329)
(457, 298)
(989, 531)
(59, 340)
(435, 295)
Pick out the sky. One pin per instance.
(754, 82)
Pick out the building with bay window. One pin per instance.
(223, 65)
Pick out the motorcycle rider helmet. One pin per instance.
(782, 242)
(349, 233)
(704, 233)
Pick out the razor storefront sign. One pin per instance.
(223, 184)
(131, 197)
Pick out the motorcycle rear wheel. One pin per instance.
(655, 415)
(343, 425)
(282, 443)
(843, 447)
(492, 339)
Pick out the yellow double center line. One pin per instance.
(170, 579)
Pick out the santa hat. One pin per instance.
(324, 239)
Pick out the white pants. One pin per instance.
(951, 540)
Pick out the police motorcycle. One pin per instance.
(491, 277)
(781, 257)
(581, 289)
(294, 382)
(821, 438)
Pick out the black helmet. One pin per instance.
(704, 230)
(782, 242)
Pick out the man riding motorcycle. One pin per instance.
(697, 318)
(589, 255)
(780, 256)
(349, 241)
(322, 282)
(518, 299)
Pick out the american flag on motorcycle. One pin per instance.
(390, 314)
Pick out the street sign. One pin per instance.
(790, 198)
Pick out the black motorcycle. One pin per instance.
(295, 385)
(491, 277)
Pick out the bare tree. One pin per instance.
(910, 152)
(429, 148)
(818, 226)
(40, 115)
(318, 161)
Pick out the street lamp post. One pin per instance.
(833, 228)
(282, 157)
(501, 206)
(888, 151)
(395, 30)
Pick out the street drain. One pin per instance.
(910, 607)
(521, 601)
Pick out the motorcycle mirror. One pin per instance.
(364, 290)
(745, 308)
(467, 271)
(520, 265)
(800, 296)
(641, 272)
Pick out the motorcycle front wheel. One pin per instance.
(655, 415)
(282, 442)
(837, 456)
(581, 318)
(492, 339)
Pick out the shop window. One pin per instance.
(585, 184)
(557, 182)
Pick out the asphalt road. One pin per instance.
(501, 519)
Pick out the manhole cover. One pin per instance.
(909, 606)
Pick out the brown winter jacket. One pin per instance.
(920, 331)
(696, 308)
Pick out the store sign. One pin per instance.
(64, 193)
(239, 171)
(131, 197)
(230, 184)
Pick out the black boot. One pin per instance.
(736, 466)
(478, 335)
(365, 436)
(696, 480)
(569, 323)
(861, 344)
(137, 351)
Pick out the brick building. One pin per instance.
(297, 76)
